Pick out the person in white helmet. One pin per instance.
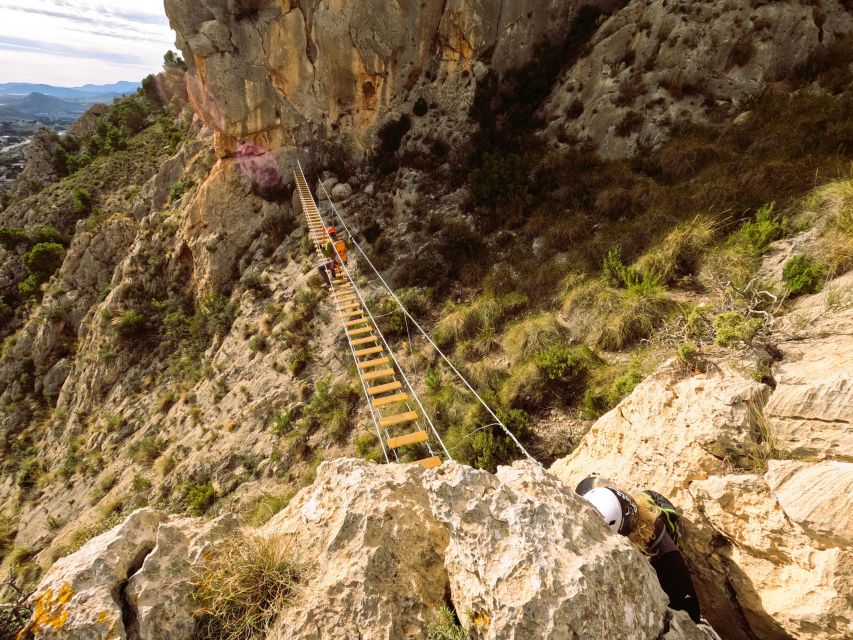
(645, 519)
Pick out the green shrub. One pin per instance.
(266, 506)
(565, 365)
(608, 318)
(733, 328)
(6, 313)
(44, 259)
(254, 282)
(367, 447)
(199, 498)
(502, 179)
(299, 359)
(802, 275)
(680, 253)
(47, 234)
(146, 450)
(444, 626)
(141, 484)
(486, 312)
(258, 343)
(283, 420)
(10, 237)
(245, 586)
(81, 200)
(129, 324)
(688, 354)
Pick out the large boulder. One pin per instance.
(518, 553)
(135, 581)
(83, 594)
(810, 414)
(530, 559)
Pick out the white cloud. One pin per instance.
(70, 42)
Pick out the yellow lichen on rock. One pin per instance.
(49, 611)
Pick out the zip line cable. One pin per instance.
(420, 328)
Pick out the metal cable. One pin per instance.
(421, 329)
(381, 335)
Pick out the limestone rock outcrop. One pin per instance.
(519, 554)
(768, 540)
(810, 414)
(136, 575)
(39, 170)
(657, 63)
(281, 72)
(529, 559)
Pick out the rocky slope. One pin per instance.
(181, 357)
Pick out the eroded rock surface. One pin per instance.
(519, 554)
(770, 552)
(132, 582)
(656, 63)
(281, 71)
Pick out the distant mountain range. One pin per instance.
(86, 92)
(23, 101)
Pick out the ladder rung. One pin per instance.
(360, 330)
(386, 400)
(400, 418)
(344, 289)
(352, 323)
(355, 343)
(429, 463)
(382, 388)
(409, 438)
(373, 363)
(348, 306)
(378, 374)
(368, 351)
(342, 299)
(350, 314)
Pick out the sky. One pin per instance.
(69, 43)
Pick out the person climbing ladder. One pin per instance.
(336, 250)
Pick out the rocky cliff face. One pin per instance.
(657, 66)
(285, 72)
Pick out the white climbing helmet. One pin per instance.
(618, 510)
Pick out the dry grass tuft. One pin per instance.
(680, 253)
(833, 204)
(244, 586)
(605, 317)
(530, 335)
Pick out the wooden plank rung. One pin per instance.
(368, 351)
(350, 314)
(400, 418)
(382, 373)
(409, 438)
(373, 363)
(386, 400)
(382, 388)
(366, 340)
(360, 330)
(352, 323)
(429, 463)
